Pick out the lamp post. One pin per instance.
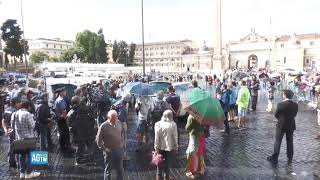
(24, 39)
(143, 56)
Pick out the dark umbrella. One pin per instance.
(263, 75)
(240, 75)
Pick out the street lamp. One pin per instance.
(24, 39)
(143, 56)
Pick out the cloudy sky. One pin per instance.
(164, 19)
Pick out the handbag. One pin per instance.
(24, 146)
(157, 158)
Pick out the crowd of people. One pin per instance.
(80, 123)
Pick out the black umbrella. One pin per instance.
(263, 75)
(240, 75)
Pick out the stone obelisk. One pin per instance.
(218, 56)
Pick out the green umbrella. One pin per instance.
(203, 107)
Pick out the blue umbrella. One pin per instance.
(140, 89)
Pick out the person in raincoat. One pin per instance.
(196, 148)
(243, 101)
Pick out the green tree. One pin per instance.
(23, 43)
(39, 57)
(132, 53)
(54, 59)
(11, 35)
(115, 51)
(101, 48)
(93, 45)
(123, 53)
(68, 55)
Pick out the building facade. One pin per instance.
(298, 52)
(177, 56)
(52, 47)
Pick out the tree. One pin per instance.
(101, 48)
(54, 59)
(115, 51)
(39, 57)
(132, 53)
(68, 55)
(123, 53)
(93, 45)
(11, 35)
(23, 43)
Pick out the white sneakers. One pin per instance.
(22, 176)
(29, 176)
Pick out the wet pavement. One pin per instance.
(241, 155)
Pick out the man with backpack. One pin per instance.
(157, 108)
(15, 104)
(81, 125)
(43, 122)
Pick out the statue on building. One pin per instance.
(75, 59)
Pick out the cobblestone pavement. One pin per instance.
(241, 155)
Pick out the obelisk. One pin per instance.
(218, 57)
(218, 33)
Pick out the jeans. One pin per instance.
(254, 101)
(226, 123)
(24, 162)
(164, 169)
(64, 138)
(11, 156)
(113, 160)
(81, 148)
(43, 137)
(277, 144)
(124, 137)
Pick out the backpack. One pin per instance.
(157, 111)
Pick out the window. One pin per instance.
(161, 48)
(282, 45)
(307, 61)
(172, 47)
(311, 43)
(60, 46)
(284, 60)
(54, 46)
(47, 45)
